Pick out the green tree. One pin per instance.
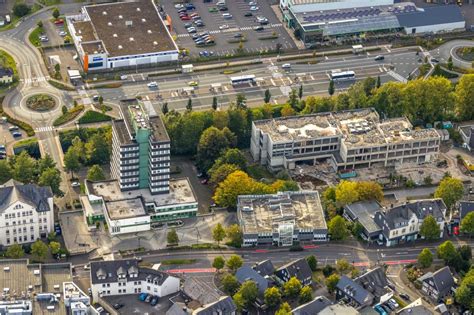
(45, 163)
(218, 263)
(465, 292)
(343, 265)
(369, 191)
(71, 161)
(464, 97)
(24, 168)
(447, 252)
(97, 150)
(241, 100)
(51, 177)
(39, 250)
(5, 171)
(331, 282)
(293, 100)
(272, 297)
(467, 224)
(287, 111)
(234, 234)
(267, 96)
(378, 84)
(56, 13)
(211, 145)
(450, 190)
(164, 108)
(15, 251)
(21, 9)
(306, 295)
(230, 284)
(218, 233)
(220, 173)
(64, 109)
(338, 228)
(292, 287)
(95, 173)
(450, 63)
(172, 237)
(233, 156)
(300, 92)
(284, 309)
(425, 258)
(429, 229)
(214, 103)
(465, 252)
(331, 88)
(234, 262)
(189, 106)
(249, 292)
(54, 247)
(312, 262)
(239, 301)
(39, 24)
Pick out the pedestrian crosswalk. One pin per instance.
(44, 129)
(33, 80)
(396, 76)
(234, 29)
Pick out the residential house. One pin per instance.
(467, 135)
(463, 209)
(363, 212)
(415, 308)
(264, 268)
(117, 277)
(26, 213)
(224, 306)
(200, 292)
(6, 75)
(401, 224)
(437, 285)
(353, 293)
(375, 281)
(246, 273)
(337, 309)
(313, 307)
(298, 268)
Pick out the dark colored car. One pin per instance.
(405, 296)
(248, 14)
(379, 57)
(223, 9)
(259, 28)
(154, 301)
(118, 306)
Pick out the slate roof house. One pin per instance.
(224, 306)
(297, 268)
(364, 213)
(264, 268)
(313, 307)
(246, 273)
(375, 281)
(353, 293)
(438, 285)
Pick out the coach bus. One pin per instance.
(337, 75)
(243, 79)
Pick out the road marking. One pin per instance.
(311, 76)
(291, 82)
(397, 77)
(273, 82)
(44, 129)
(388, 50)
(195, 270)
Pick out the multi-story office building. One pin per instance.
(282, 218)
(347, 139)
(26, 213)
(140, 149)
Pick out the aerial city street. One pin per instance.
(231, 157)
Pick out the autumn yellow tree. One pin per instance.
(346, 193)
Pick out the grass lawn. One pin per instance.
(69, 115)
(7, 61)
(34, 36)
(25, 142)
(168, 262)
(48, 3)
(443, 73)
(92, 117)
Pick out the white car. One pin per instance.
(75, 184)
(224, 27)
(252, 3)
(152, 84)
(179, 6)
(254, 8)
(393, 303)
(87, 267)
(62, 33)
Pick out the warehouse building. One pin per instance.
(281, 219)
(121, 35)
(318, 21)
(347, 140)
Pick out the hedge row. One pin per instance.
(69, 115)
(21, 124)
(92, 117)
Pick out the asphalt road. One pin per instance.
(443, 52)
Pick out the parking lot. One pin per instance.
(228, 33)
(7, 137)
(132, 305)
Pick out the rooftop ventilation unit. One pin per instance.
(36, 272)
(128, 23)
(155, 43)
(131, 39)
(149, 31)
(115, 35)
(104, 12)
(6, 269)
(109, 24)
(138, 9)
(143, 20)
(120, 17)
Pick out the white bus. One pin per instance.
(337, 75)
(243, 79)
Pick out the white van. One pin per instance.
(286, 66)
(220, 3)
(227, 16)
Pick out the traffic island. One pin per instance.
(41, 102)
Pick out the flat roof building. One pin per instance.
(347, 139)
(121, 34)
(281, 218)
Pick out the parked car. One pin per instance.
(248, 14)
(393, 303)
(193, 14)
(227, 16)
(142, 296)
(59, 22)
(188, 24)
(405, 296)
(223, 9)
(434, 60)
(154, 301)
(118, 306)
(148, 298)
(178, 6)
(224, 27)
(190, 6)
(238, 35)
(204, 181)
(16, 134)
(252, 3)
(182, 10)
(75, 184)
(100, 309)
(43, 38)
(62, 33)
(185, 18)
(380, 310)
(13, 128)
(213, 10)
(192, 30)
(199, 23)
(254, 8)
(259, 28)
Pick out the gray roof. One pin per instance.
(245, 273)
(418, 310)
(264, 268)
(443, 280)
(375, 281)
(433, 15)
(199, 290)
(298, 268)
(225, 306)
(423, 208)
(364, 212)
(111, 269)
(177, 309)
(354, 290)
(465, 207)
(6, 72)
(34, 195)
(313, 307)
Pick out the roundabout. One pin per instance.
(41, 102)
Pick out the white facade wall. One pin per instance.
(135, 286)
(332, 5)
(446, 27)
(21, 223)
(128, 225)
